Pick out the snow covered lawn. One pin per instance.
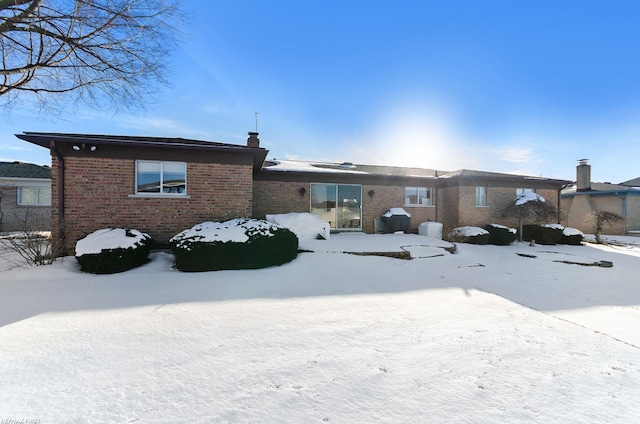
(480, 336)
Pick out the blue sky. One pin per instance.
(527, 87)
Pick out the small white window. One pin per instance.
(481, 196)
(519, 191)
(34, 196)
(161, 177)
(418, 196)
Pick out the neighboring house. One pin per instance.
(164, 185)
(25, 197)
(584, 197)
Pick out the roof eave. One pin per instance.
(44, 140)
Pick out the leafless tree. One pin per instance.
(601, 219)
(534, 212)
(97, 51)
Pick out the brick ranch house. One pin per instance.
(164, 185)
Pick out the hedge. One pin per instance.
(500, 235)
(266, 245)
(109, 259)
(542, 234)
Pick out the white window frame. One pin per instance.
(20, 197)
(481, 196)
(422, 202)
(161, 193)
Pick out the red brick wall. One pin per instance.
(497, 199)
(98, 194)
(448, 205)
(274, 197)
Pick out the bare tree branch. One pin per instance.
(106, 51)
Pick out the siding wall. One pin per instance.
(577, 208)
(14, 217)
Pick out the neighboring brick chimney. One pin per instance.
(253, 140)
(583, 176)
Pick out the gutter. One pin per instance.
(54, 150)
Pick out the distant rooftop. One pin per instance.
(24, 170)
(632, 183)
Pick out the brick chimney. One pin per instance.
(583, 175)
(253, 140)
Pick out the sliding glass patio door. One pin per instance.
(338, 204)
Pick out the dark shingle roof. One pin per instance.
(46, 140)
(632, 183)
(24, 170)
(43, 139)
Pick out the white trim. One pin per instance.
(24, 182)
(159, 196)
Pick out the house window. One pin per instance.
(418, 196)
(481, 196)
(519, 191)
(34, 196)
(338, 204)
(161, 177)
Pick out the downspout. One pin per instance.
(624, 212)
(560, 203)
(54, 150)
(436, 202)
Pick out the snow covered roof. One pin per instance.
(308, 166)
(276, 165)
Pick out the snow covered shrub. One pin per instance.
(571, 236)
(234, 244)
(473, 235)
(303, 225)
(112, 250)
(543, 234)
(500, 235)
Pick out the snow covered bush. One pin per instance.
(234, 244)
(543, 234)
(500, 235)
(528, 207)
(571, 236)
(304, 225)
(473, 235)
(112, 250)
